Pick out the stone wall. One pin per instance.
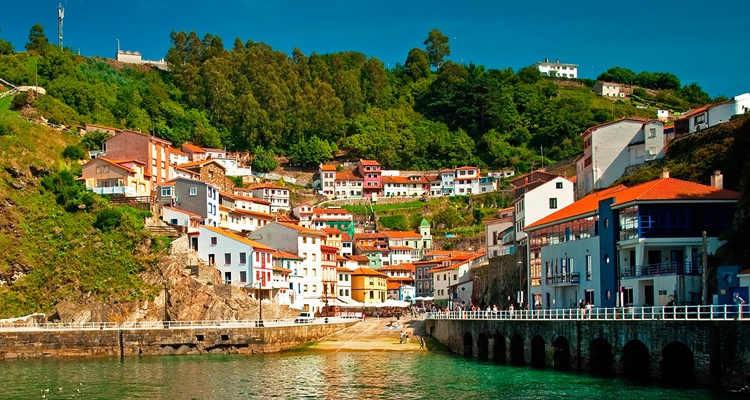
(128, 342)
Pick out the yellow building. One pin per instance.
(368, 286)
(126, 177)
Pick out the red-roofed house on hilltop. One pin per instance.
(196, 153)
(628, 246)
(151, 150)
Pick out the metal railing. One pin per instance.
(564, 279)
(668, 268)
(666, 313)
(85, 326)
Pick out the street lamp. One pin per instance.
(260, 305)
(166, 298)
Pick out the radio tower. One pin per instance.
(60, 16)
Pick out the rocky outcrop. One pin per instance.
(187, 299)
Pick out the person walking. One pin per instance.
(739, 301)
(421, 342)
(407, 337)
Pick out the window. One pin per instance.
(194, 191)
(227, 258)
(213, 240)
(553, 202)
(652, 132)
(558, 185)
(106, 169)
(314, 257)
(166, 191)
(227, 277)
(98, 170)
(243, 276)
(243, 258)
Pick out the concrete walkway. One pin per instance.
(375, 334)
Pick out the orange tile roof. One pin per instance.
(301, 229)
(285, 255)
(176, 151)
(224, 208)
(368, 272)
(282, 270)
(266, 185)
(398, 267)
(193, 148)
(663, 189)
(348, 176)
(332, 231)
(401, 234)
(286, 218)
(114, 163)
(343, 269)
(264, 216)
(369, 162)
(395, 179)
(201, 164)
(329, 249)
(330, 211)
(581, 207)
(675, 190)
(393, 285)
(327, 167)
(466, 168)
(358, 258)
(238, 238)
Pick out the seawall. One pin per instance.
(160, 341)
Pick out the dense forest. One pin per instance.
(425, 113)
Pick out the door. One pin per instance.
(194, 243)
(211, 259)
(676, 260)
(648, 293)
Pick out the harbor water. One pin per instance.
(311, 374)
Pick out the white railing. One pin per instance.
(666, 313)
(81, 326)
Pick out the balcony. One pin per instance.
(124, 190)
(668, 268)
(564, 279)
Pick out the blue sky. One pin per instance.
(698, 41)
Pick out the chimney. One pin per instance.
(546, 60)
(665, 173)
(717, 180)
(557, 61)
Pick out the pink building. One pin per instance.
(150, 150)
(373, 179)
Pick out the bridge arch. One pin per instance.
(600, 357)
(498, 349)
(677, 363)
(561, 355)
(468, 345)
(483, 344)
(538, 353)
(516, 350)
(636, 361)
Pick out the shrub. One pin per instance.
(108, 219)
(75, 152)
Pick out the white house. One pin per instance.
(276, 195)
(539, 202)
(556, 69)
(175, 216)
(447, 177)
(711, 115)
(232, 166)
(287, 295)
(466, 181)
(327, 179)
(241, 262)
(304, 243)
(609, 89)
(609, 149)
(495, 232)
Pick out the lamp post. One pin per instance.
(166, 298)
(520, 282)
(260, 304)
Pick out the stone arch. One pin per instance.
(483, 344)
(636, 361)
(538, 354)
(468, 345)
(498, 349)
(516, 350)
(677, 364)
(600, 357)
(561, 355)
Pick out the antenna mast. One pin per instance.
(60, 17)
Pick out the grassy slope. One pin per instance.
(60, 255)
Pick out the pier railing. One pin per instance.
(81, 326)
(666, 313)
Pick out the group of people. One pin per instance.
(404, 338)
(585, 308)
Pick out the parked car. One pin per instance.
(304, 317)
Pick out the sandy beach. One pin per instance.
(375, 334)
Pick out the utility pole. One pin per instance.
(705, 270)
(60, 17)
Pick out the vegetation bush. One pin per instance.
(75, 152)
(394, 222)
(108, 219)
(264, 160)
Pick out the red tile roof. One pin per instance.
(369, 162)
(408, 267)
(285, 255)
(195, 164)
(368, 272)
(266, 185)
(332, 231)
(264, 216)
(674, 190)
(188, 213)
(359, 258)
(581, 207)
(328, 167)
(301, 229)
(330, 211)
(348, 176)
(193, 148)
(401, 234)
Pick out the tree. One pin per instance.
(5, 47)
(311, 152)
(417, 64)
(437, 47)
(264, 160)
(37, 40)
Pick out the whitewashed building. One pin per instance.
(557, 69)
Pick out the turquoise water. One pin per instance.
(310, 374)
